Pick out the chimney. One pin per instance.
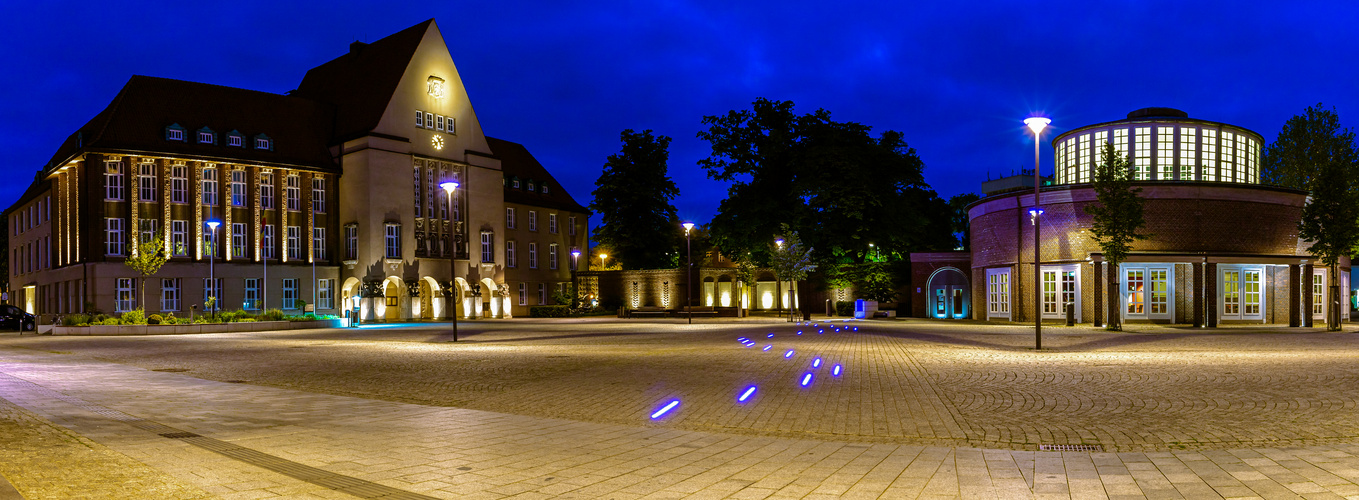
(357, 46)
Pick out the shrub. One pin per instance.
(153, 319)
(98, 318)
(272, 315)
(110, 321)
(198, 320)
(549, 311)
(134, 317)
(170, 319)
(844, 308)
(75, 320)
(245, 320)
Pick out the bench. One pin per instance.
(647, 311)
(699, 311)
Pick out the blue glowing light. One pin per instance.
(816, 363)
(770, 336)
(665, 409)
(746, 395)
(819, 332)
(836, 371)
(799, 332)
(768, 347)
(856, 328)
(788, 354)
(741, 340)
(806, 379)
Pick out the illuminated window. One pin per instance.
(1165, 153)
(1242, 168)
(1060, 289)
(1319, 294)
(238, 240)
(429, 191)
(448, 125)
(511, 254)
(1084, 151)
(147, 229)
(393, 240)
(419, 192)
(509, 218)
(420, 119)
(1121, 142)
(1135, 279)
(206, 136)
(290, 293)
(998, 293)
(252, 294)
(267, 190)
(1227, 159)
(123, 300)
(1209, 155)
(1252, 161)
(263, 142)
(235, 139)
(1049, 292)
(267, 240)
(1188, 145)
(292, 192)
(325, 294)
(179, 238)
(209, 186)
(174, 133)
(1142, 154)
(318, 195)
(179, 184)
(429, 120)
(113, 180)
(113, 236)
(146, 182)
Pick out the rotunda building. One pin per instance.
(1223, 248)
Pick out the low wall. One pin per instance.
(249, 326)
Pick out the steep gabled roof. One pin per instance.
(137, 118)
(362, 82)
(516, 161)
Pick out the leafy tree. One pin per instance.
(959, 224)
(146, 258)
(632, 196)
(876, 282)
(790, 260)
(1315, 154)
(1117, 212)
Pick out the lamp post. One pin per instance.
(575, 262)
(602, 265)
(451, 187)
(873, 252)
(1037, 124)
(689, 273)
(212, 274)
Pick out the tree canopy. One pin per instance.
(1117, 211)
(836, 184)
(958, 222)
(632, 196)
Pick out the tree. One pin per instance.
(1117, 212)
(789, 259)
(1313, 153)
(959, 223)
(146, 258)
(632, 196)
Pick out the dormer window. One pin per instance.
(264, 142)
(530, 186)
(206, 136)
(544, 188)
(174, 133)
(235, 138)
(514, 183)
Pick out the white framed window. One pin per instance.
(523, 294)
(542, 294)
(235, 140)
(292, 192)
(998, 293)
(448, 125)
(169, 294)
(252, 294)
(212, 288)
(419, 193)
(113, 180)
(146, 230)
(174, 134)
(1061, 287)
(1209, 153)
(206, 137)
(1240, 293)
(318, 243)
(318, 195)
(509, 218)
(290, 293)
(1226, 158)
(571, 225)
(1189, 138)
(420, 119)
(533, 220)
(429, 120)
(552, 223)
(114, 241)
(351, 242)
(325, 294)
(1165, 153)
(122, 301)
(267, 240)
(179, 184)
(267, 190)
(209, 186)
(210, 247)
(179, 238)
(1319, 293)
(146, 182)
(533, 255)
(1147, 291)
(511, 254)
(487, 247)
(439, 122)
(238, 244)
(552, 256)
(294, 242)
(264, 143)
(393, 241)
(237, 188)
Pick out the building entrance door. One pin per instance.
(948, 294)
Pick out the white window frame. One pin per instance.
(533, 220)
(392, 241)
(179, 184)
(325, 293)
(420, 119)
(487, 247)
(238, 198)
(533, 255)
(292, 192)
(318, 194)
(1148, 271)
(235, 140)
(552, 223)
(511, 255)
(146, 182)
(114, 241)
(523, 294)
(267, 240)
(267, 190)
(998, 290)
(179, 238)
(552, 256)
(209, 290)
(238, 242)
(290, 293)
(113, 181)
(174, 134)
(1319, 293)
(542, 294)
(262, 143)
(294, 242)
(509, 218)
(169, 294)
(251, 300)
(1242, 313)
(209, 185)
(125, 294)
(1055, 290)
(351, 242)
(206, 138)
(318, 242)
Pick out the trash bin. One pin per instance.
(1070, 314)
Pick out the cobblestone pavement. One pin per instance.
(538, 409)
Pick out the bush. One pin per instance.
(134, 317)
(550, 312)
(170, 319)
(844, 308)
(198, 320)
(272, 315)
(153, 319)
(98, 318)
(75, 320)
(109, 321)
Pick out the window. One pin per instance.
(998, 293)
(552, 256)
(439, 122)
(318, 195)
(238, 244)
(1157, 297)
(169, 294)
(419, 194)
(113, 180)
(146, 182)
(420, 119)
(210, 247)
(252, 294)
(1136, 281)
(1147, 292)
(179, 184)
(552, 223)
(174, 133)
(544, 190)
(1165, 153)
(294, 242)
(263, 142)
(511, 256)
(212, 289)
(1227, 160)
(1209, 155)
(509, 218)
(235, 140)
(429, 120)
(514, 183)
(318, 243)
(292, 192)
(1242, 167)
(351, 242)
(325, 294)
(237, 188)
(1142, 155)
(533, 255)
(542, 294)
(267, 190)
(1253, 166)
(123, 300)
(449, 125)
(1319, 294)
(206, 137)
(267, 240)
(571, 225)
(290, 293)
(533, 220)
(523, 294)
(113, 236)
(210, 186)
(1188, 140)
(530, 186)
(393, 241)
(429, 181)
(146, 230)
(179, 238)
(487, 241)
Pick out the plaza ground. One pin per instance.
(563, 408)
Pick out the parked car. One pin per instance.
(16, 319)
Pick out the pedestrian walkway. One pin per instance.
(175, 436)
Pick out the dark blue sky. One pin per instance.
(956, 78)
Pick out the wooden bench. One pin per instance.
(648, 311)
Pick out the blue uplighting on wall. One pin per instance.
(661, 412)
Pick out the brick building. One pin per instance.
(1224, 248)
(330, 194)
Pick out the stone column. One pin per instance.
(1099, 293)
(1210, 294)
(1294, 296)
(1307, 295)
(1196, 282)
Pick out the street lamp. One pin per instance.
(1037, 124)
(688, 273)
(873, 251)
(212, 251)
(575, 287)
(451, 187)
(603, 256)
(778, 284)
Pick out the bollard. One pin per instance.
(1070, 314)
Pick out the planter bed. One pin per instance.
(248, 326)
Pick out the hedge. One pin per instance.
(549, 312)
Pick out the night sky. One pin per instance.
(956, 78)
